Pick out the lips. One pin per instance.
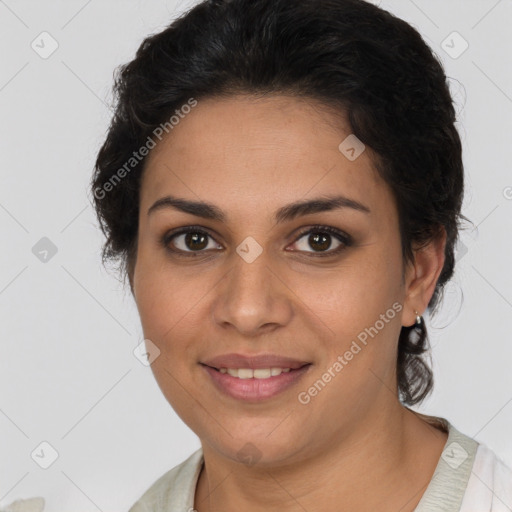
(254, 390)
(254, 362)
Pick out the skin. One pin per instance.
(353, 443)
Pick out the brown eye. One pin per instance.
(196, 241)
(320, 240)
(190, 241)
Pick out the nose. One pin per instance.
(252, 298)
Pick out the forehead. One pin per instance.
(261, 150)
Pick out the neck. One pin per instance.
(386, 462)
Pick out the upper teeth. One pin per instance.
(249, 373)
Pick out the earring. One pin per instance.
(418, 320)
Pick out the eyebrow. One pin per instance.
(283, 214)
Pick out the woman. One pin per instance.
(282, 184)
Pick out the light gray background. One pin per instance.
(68, 375)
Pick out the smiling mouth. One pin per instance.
(255, 385)
(256, 373)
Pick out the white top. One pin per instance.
(469, 477)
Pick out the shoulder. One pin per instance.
(490, 483)
(174, 490)
(469, 477)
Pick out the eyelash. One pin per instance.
(346, 240)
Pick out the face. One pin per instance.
(293, 262)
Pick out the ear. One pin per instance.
(421, 277)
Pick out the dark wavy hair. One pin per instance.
(353, 57)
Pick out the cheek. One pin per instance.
(166, 310)
(360, 304)
(353, 296)
(156, 290)
(172, 305)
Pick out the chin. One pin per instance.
(256, 445)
